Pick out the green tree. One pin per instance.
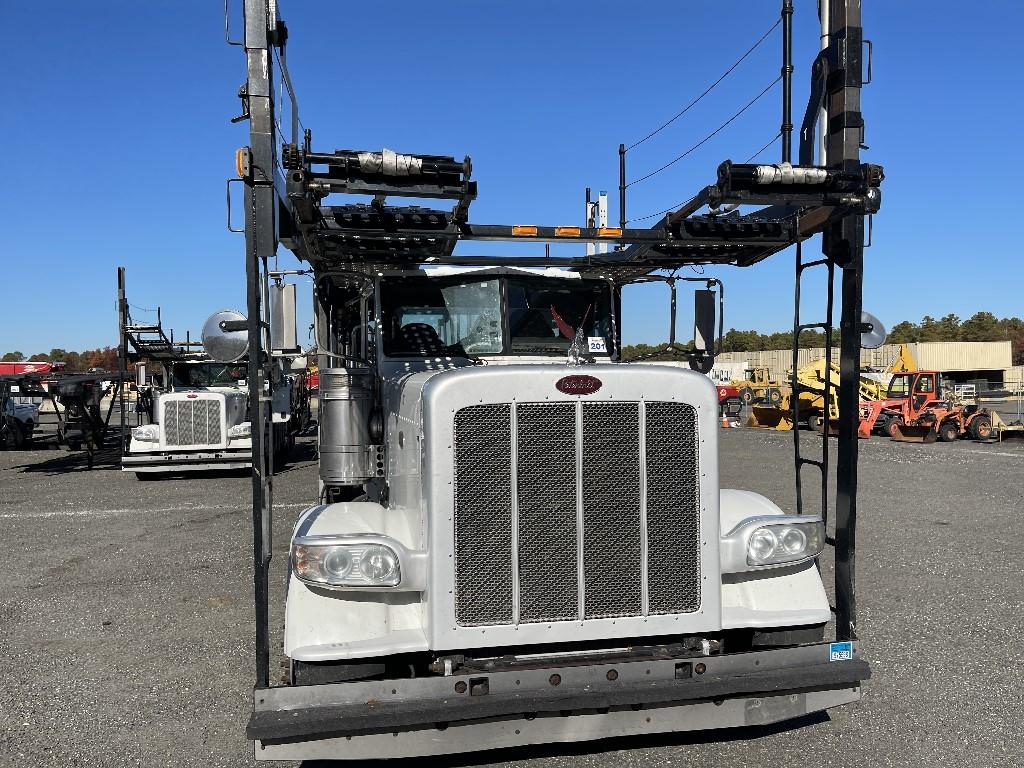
(982, 326)
(13, 357)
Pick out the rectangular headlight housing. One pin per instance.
(771, 541)
(240, 430)
(333, 562)
(147, 433)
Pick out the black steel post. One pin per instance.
(844, 243)
(622, 186)
(260, 243)
(787, 80)
(122, 351)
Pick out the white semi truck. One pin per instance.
(197, 416)
(517, 539)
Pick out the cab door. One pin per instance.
(924, 391)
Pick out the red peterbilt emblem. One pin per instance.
(192, 397)
(578, 385)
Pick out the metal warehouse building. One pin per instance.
(960, 361)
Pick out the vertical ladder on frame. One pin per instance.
(798, 327)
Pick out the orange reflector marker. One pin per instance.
(609, 232)
(241, 161)
(567, 231)
(524, 229)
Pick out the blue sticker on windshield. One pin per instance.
(840, 651)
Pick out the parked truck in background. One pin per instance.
(196, 415)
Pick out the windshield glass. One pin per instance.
(463, 316)
(425, 317)
(544, 315)
(207, 375)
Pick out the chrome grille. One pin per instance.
(611, 509)
(550, 497)
(546, 493)
(483, 515)
(673, 509)
(192, 422)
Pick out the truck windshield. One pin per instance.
(207, 375)
(466, 316)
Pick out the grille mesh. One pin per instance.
(546, 489)
(546, 495)
(611, 509)
(673, 509)
(483, 515)
(192, 422)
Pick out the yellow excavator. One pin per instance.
(814, 401)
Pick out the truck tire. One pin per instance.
(746, 395)
(949, 431)
(774, 396)
(980, 427)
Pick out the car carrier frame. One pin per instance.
(648, 689)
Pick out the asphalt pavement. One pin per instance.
(126, 615)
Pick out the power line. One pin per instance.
(762, 149)
(703, 141)
(685, 202)
(661, 213)
(709, 89)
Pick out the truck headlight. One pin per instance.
(240, 430)
(771, 540)
(147, 433)
(785, 543)
(332, 562)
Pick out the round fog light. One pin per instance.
(761, 545)
(338, 563)
(378, 564)
(794, 541)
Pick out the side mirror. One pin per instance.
(704, 317)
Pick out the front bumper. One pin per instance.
(187, 462)
(439, 715)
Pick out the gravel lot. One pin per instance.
(126, 616)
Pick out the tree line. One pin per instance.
(981, 326)
(101, 357)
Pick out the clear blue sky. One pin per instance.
(115, 126)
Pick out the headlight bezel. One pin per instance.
(146, 433)
(737, 546)
(407, 575)
(241, 431)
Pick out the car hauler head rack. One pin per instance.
(510, 554)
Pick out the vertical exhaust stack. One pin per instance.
(346, 403)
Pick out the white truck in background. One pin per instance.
(198, 417)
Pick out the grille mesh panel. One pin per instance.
(192, 422)
(673, 508)
(483, 515)
(611, 509)
(547, 493)
(546, 490)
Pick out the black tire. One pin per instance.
(746, 395)
(774, 396)
(144, 476)
(949, 431)
(889, 424)
(980, 427)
